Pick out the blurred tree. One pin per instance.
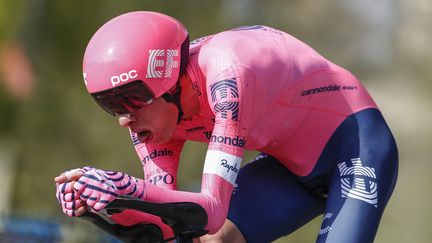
(16, 85)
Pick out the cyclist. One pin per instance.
(325, 146)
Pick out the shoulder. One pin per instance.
(219, 56)
(219, 44)
(244, 46)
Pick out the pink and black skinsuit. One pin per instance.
(325, 147)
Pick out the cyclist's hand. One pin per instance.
(100, 187)
(70, 175)
(72, 205)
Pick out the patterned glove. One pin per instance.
(99, 187)
(68, 199)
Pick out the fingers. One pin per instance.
(95, 199)
(81, 210)
(90, 200)
(87, 187)
(101, 202)
(70, 175)
(73, 205)
(79, 186)
(75, 213)
(100, 205)
(89, 178)
(65, 188)
(90, 196)
(70, 197)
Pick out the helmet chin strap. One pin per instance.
(174, 97)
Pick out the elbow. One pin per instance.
(215, 224)
(217, 214)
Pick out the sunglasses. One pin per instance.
(124, 99)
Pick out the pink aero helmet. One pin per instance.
(146, 46)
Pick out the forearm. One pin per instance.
(160, 163)
(162, 174)
(214, 201)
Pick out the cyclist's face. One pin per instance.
(154, 122)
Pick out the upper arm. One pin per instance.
(228, 139)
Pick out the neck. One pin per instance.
(189, 99)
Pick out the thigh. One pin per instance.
(268, 202)
(361, 182)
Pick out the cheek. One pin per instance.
(165, 117)
(160, 117)
(167, 124)
(171, 114)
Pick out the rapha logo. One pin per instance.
(161, 63)
(229, 167)
(222, 164)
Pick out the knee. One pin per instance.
(216, 238)
(228, 233)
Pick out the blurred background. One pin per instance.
(48, 123)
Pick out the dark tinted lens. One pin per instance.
(114, 100)
(110, 104)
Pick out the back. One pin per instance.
(273, 56)
(284, 98)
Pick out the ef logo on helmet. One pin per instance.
(161, 63)
(123, 77)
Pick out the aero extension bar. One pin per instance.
(186, 219)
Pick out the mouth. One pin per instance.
(144, 136)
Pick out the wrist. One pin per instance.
(140, 188)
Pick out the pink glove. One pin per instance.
(99, 187)
(71, 203)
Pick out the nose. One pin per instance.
(124, 121)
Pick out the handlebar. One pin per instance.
(186, 219)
